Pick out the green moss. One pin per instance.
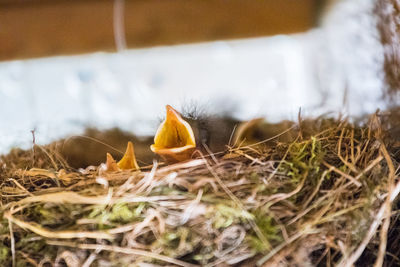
(29, 242)
(303, 158)
(119, 213)
(100, 214)
(224, 216)
(267, 226)
(269, 230)
(177, 243)
(254, 177)
(256, 244)
(4, 255)
(50, 214)
(205, 255)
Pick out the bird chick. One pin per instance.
(179, 136)
(128, 161)
(174, 140)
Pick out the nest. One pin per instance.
(321, 192)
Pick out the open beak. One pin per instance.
(128, 161)
(174, 140)
(111, 165)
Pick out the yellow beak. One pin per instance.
(174, 139)
(128, 161)
(111, 165)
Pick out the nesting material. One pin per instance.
(319, 192)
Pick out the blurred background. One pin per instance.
(66, 65)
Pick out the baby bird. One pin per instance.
(178, 137)
(174, 140)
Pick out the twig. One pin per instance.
(339, 145)
(75, 198)
(12, 239)
(91, 258)
(56, 234)
(348, 176)
(20, 186)
(184, 165)
(369, 167)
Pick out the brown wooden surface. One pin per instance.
(38, 28)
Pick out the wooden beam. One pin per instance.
(39, 28)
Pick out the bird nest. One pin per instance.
(326, 196)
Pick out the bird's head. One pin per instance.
(174, 140)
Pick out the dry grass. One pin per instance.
(325, 195)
